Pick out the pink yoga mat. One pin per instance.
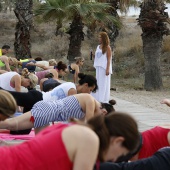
(7, 136)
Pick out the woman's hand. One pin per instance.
(166, 101)
(107, 72)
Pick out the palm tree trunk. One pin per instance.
(152, 46)
(153, 20)
(23, 12)
(76, 38)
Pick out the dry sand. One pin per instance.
(145, 98)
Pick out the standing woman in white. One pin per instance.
(103, 66)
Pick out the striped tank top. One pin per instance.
(45, 112)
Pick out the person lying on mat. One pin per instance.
(151, 141)
(80, 106)
(74, 146)
(158, 161)
(87, 83)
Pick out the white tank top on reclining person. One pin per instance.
(58, 92)
(5, 79)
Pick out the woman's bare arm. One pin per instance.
(5, 60)
(17, 123)
(108, 54)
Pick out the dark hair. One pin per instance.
(109, 106)
(49, 75)
(115, 124)
(7, 47)
(61, 66)
(126, 158)
(50, 84)
(38, 59)
(89, 79)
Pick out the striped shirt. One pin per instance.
(45, 112)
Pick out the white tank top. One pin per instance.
(45, 63)
(58, 92)
(100, 59)
(5, 79)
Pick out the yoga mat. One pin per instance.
(7, 136)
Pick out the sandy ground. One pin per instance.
(145, 98)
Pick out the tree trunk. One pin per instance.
(23, 12)
(76, 37)
(153, 20)
(152, 46)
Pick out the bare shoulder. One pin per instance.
(84, 97)
(108, 47)
(81, 134)
(74, 65)
(79, 142)
(16, 77)
(3, 57)
(44, 79)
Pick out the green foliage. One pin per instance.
(66, 10)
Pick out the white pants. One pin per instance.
(103, 82)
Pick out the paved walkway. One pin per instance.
(146, 117)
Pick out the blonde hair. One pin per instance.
(52, 62)
(7, 103)
(33, 78)
(14, 60)
(79, 59)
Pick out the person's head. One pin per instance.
(52, 62)
(107, 108)
(86, 83)
(49, 85)
(62, 68)
(79, 60)
(5, 49)
(132, 155)
(29, 80)
(13, 61)
(49, 75)
(118, 135)
(104, 40)
(38, 59)
(8, 105)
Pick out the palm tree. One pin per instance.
(153, 21)
(122, 6)
(80, 13)
(22, 45)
